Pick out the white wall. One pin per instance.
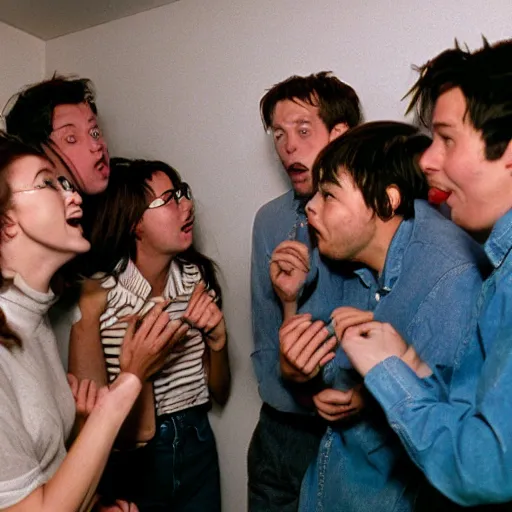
(21, 61)
(182, 83)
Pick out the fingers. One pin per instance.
(334, 405)
(153, 322)
(298, 249)
(346, 317)
(73, 384)
(289, 260)
(305, 344)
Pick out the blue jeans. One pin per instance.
(281, 449)
(177, 470)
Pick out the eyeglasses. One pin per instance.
(183, 190)
(59, 183)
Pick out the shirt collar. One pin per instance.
(394, 257)
(499, 242)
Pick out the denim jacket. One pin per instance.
(428, 288)
(327, 288)
(459, 432)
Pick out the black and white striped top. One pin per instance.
(182, 383)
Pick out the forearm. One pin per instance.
(74, 483)
(449, 439)
(289, 310)
(219, 373)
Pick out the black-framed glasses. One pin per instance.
(182, 190)
(59, 183)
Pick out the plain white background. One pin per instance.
(182, 83)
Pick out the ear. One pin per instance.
(338, 130)
(139, 230)
(394, 197)
(10, 226)
(507, 157)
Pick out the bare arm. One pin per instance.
(143, 353)
(87, 361)
(204, 314)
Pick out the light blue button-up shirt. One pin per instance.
(428, 291)
(327, 288)
(460, 433)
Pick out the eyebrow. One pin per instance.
(438, 125)
(44, 170)
(72, 125)
(299, 121)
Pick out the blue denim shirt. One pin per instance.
(427, 291)
(460, 433)
(327, 288)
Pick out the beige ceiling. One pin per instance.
(48, 19)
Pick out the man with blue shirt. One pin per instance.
(368, 209)
(457, 428)
(303, 114)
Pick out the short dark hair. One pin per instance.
(11, 149)
(31, 116)
(378, 155)
(337, 102)
(485, 79)
(113, 216)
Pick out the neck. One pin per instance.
(154, 268)
(375, 254)
(36, 265)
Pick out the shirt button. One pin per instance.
(377, 296)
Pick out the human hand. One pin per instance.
(289, 267)
(305, 347)
(335, 405)
(149, 340)
(86, 393)
(203, 314)
(368, 344)
(346, 317)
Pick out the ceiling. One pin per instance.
(48, 19)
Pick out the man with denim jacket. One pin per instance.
(457, 427)
(428, 273)
(303, 114)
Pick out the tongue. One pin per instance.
(436, 196)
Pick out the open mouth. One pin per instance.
(296, 168)
(187, 227)
(437, 196)
(74, 222)
(102, 166)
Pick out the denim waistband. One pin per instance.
(194, 411)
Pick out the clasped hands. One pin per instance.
(150, 338)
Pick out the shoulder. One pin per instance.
(441, 242)
(93, 296)
(268, 213)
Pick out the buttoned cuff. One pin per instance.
(392, 381)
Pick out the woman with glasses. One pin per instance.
(165, 457)
(40, 214)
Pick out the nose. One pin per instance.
(72, 198)
(430, 160)
(186, 205)
(290, 145)
(312, 206)
(96, 144)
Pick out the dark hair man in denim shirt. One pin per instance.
(369, 209)
(457, 429)
(303, 114)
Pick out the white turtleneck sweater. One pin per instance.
(37, 409)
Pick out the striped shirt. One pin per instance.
(182, 382)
